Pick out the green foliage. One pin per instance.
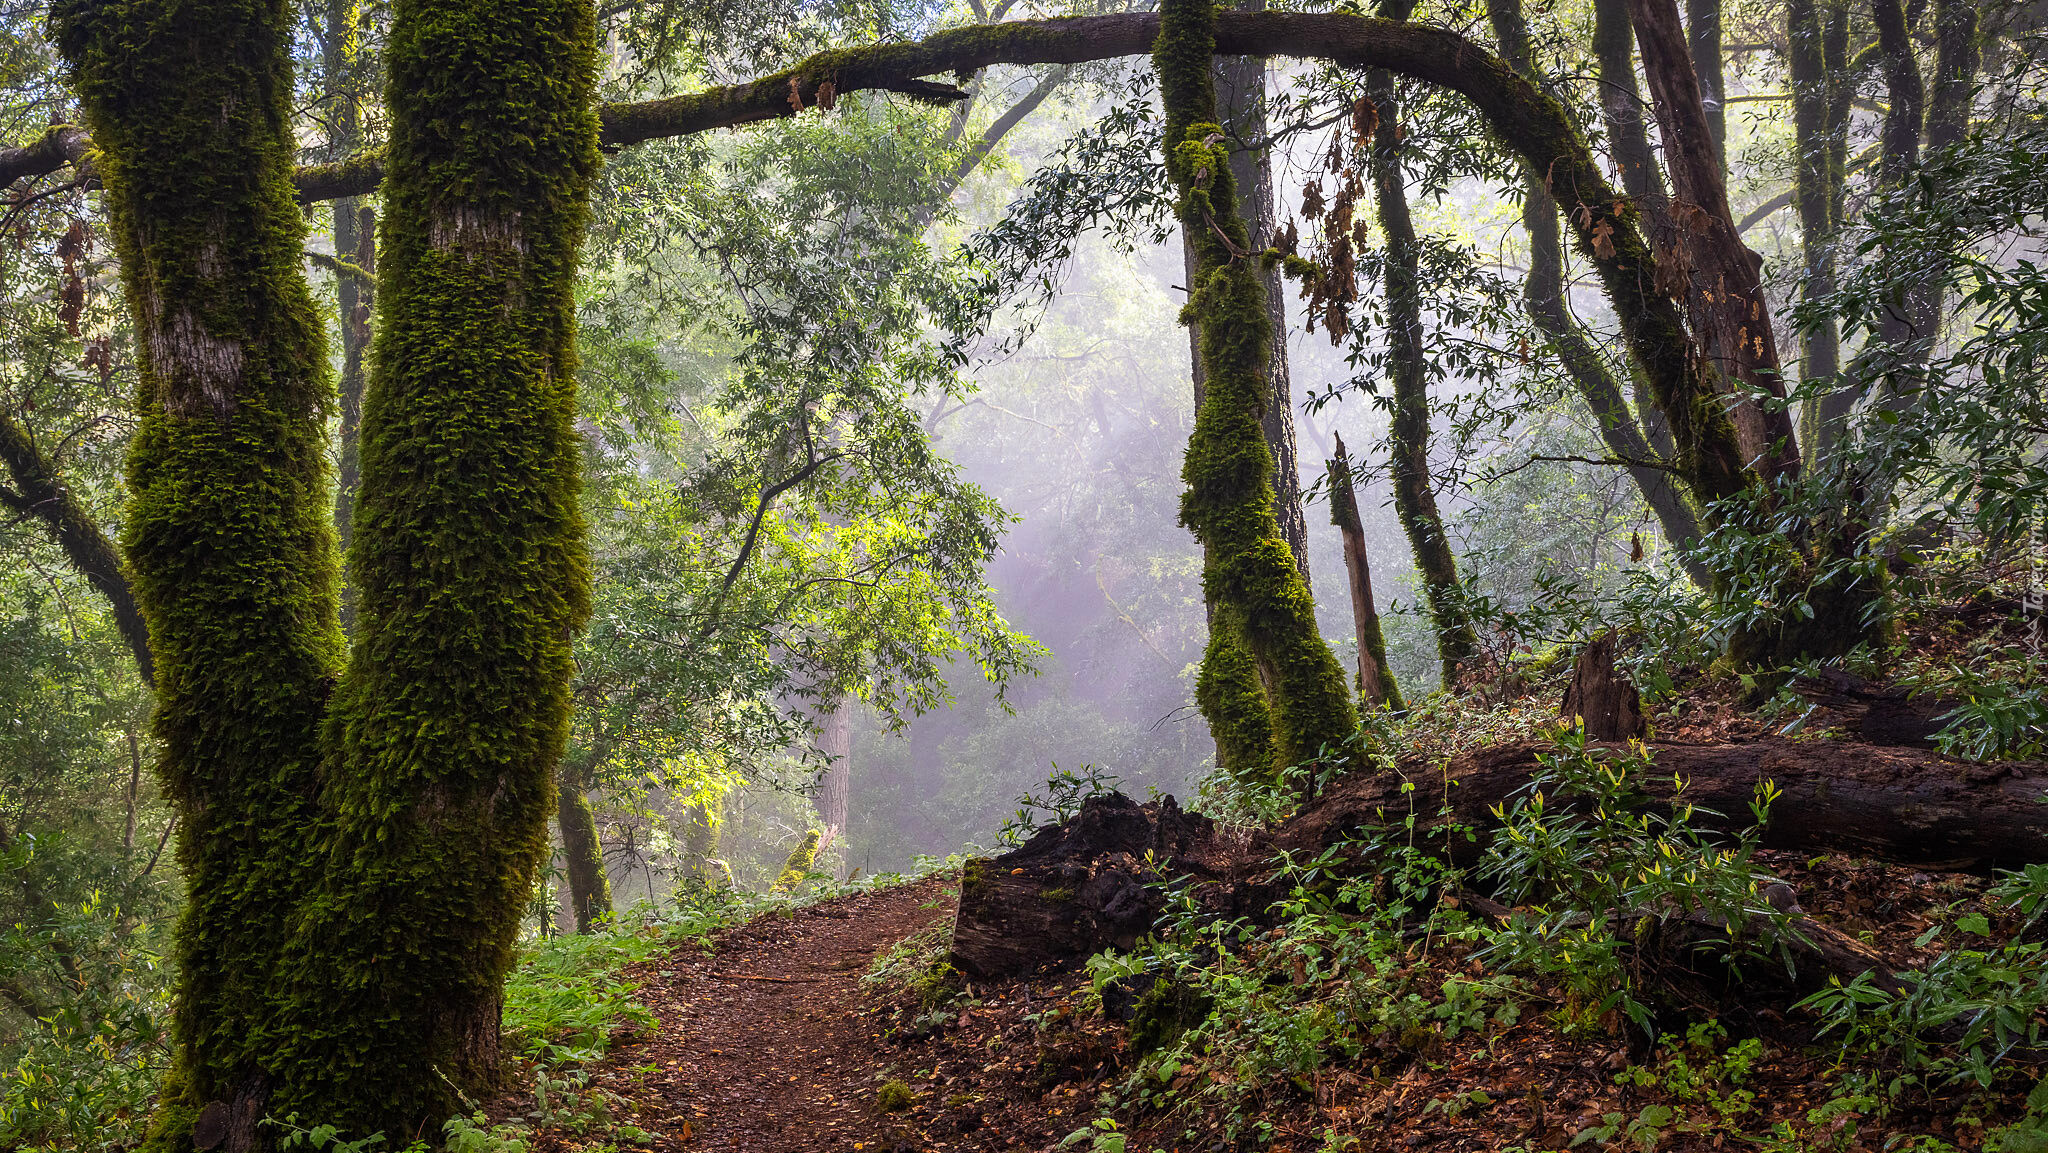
(1065, 792)
(1966, 1015)
(1594, 868)
(84, 997)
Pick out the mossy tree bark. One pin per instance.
(1408, 365)
(590, 891)
(1272, 692)
(228, 534)
(469, 564)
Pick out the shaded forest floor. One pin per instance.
(782, 1037)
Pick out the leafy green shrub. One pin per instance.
(1968, 1013)
(1594, 865)
(84, 1005)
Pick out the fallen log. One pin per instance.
(1087, 884)
(1900, 805)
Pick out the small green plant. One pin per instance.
(1968, 1012)
(1098, 1136)
(1064, 794)
(894, 1097)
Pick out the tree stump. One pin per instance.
(1602, 697)
(1076, 888)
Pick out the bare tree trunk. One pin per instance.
(1721, 286)
(1703, 39)
(1375, 677)
(1544, 294)
(835, 741)
(1816, 43)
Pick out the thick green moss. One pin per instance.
(798, 865)
(469, 566)
(227, 533)
(1265, 662)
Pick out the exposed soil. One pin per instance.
(764, 1045)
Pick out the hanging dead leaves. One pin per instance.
(1329, 273)
(825, 96)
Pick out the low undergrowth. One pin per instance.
(1584, 1009)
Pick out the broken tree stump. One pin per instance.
(1601, 696)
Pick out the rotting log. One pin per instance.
(1085, 885)
(1903, 806)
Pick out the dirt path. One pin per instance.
(763, 1047)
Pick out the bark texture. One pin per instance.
(1718, 277)
(228, 533)
(1601, 697)
(469, 565)
(1375, 677)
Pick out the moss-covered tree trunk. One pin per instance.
(1408, 366)
(590, 891)
(1272, 692)
(469, 564)
(228, 535)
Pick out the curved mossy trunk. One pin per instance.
(1265, 662)
(590, 891)
(469, 565)
(227, 533)
(1414, 501)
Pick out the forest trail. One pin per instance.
(763, 1046)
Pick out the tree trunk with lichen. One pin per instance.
(1375, 677)
(1408, 366)
(227, 534)
(469, 567)
(1272, 692)
(590, 891)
